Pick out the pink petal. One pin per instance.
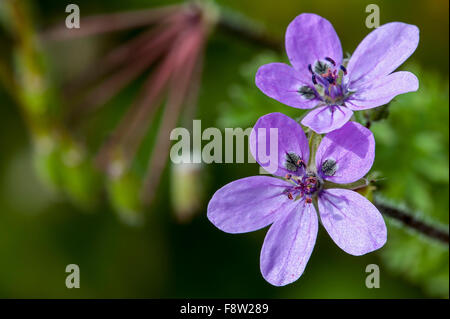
(351, 148)
(325, 119)
(282, 83)
(352, 221)
(382, 90)
(248, 204)
(290, 139)
(288, 245)
(309, 38)
(381, 52)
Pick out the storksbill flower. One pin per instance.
(290, 203)
(319, 79)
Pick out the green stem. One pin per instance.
(314, 141)
(363, 182)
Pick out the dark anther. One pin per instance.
(330, 79)
(291, 162)
(307, 92)
(329, 167)
(308, 200)
(310, 69)
(314, 79)
(321, 67)
(343, 69)
(331, 61)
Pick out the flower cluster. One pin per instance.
(312, 177)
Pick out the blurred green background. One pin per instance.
(43, 228)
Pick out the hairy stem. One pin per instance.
(410, 221)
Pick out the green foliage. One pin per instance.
(412, 154)
(418, 259)
(65, 167)
(246, 102)
(412, 148)
(80, 180)
(46, 160)
(124, 193)
(187, 189)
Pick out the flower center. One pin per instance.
(328, 85)
(305, 186)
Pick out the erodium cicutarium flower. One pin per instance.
(290, 201)
(319, 77)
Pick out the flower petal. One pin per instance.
(282, 83)
(381, 52)
(309, 38)
(352, 221)
(325, 119)
(248, 204)
(382, 90)
(289, 139)
(351, 149)
(288, 245)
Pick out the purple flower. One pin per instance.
(289, 203)
(318, 79)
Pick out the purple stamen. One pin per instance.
(330, 79)
(330, 60)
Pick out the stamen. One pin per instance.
(301, 162)
(307, 92)
(308, 200)
(330, 60)
(329, 167)
(321, 67)
(288, 176)
(328, 82)
(290, 196)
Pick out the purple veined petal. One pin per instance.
(347, 154)
(352, 221)
(282, 83)
(309, 38)
(381, 52)
(288, 245)
(273, 137)
(248, 204)
(325, 119)
(382, 90)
